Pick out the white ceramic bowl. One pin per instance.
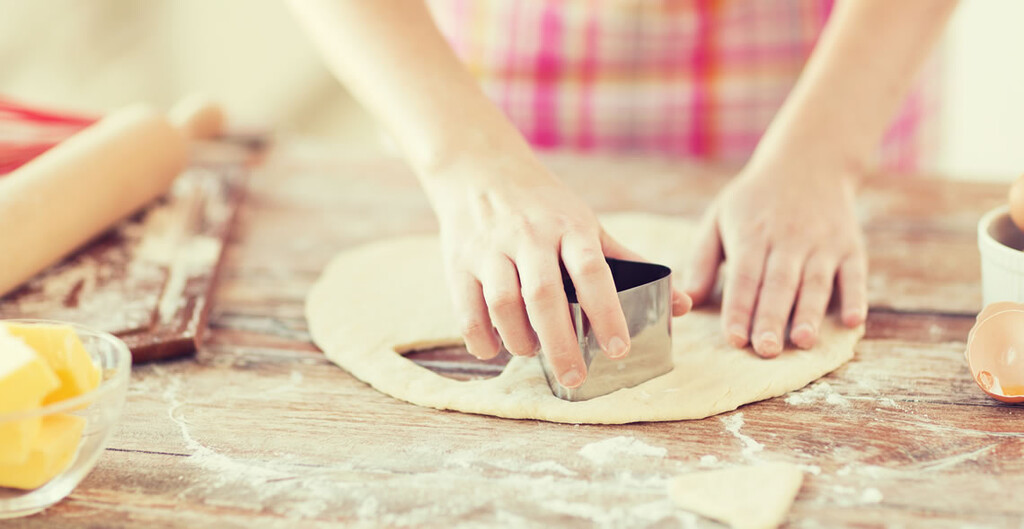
(1002, 261)
(100, 408)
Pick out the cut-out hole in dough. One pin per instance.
(456, 363)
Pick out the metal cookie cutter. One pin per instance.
(645, 292)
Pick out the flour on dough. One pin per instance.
(376, 301)
(749, 497)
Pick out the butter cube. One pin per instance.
(55, 448)
(17, 439)
(25, 379)
(63, 350)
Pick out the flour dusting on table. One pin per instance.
(708, 461)
(608, 450)
(871, 495)
(820, 392)
(548, 467)
(733, 423)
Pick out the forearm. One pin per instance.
(393, 59)
(853, 83)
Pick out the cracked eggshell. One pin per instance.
(995, 351)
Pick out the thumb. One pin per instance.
(681, 303)
(707, 255)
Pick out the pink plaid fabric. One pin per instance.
(692, 78)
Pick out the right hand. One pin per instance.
(505, 227)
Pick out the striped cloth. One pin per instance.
(692, 78)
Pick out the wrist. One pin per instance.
(483, 173)
(803, 157)
(483, 156)
(802, 170)
(488, 139)
(817, 138)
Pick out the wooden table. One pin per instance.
(260, 430)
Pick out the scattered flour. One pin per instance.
(548, 467)
(952, 461)
(365, 493)
(844, 490)
(196, 255)
(820, 392)
(167, 243)
(871, 495)
(836, 399)
(849, 496)
(888, 403)
(368, 508)
(814, 470)
(608, 450)
(286, 486)
(656, 513)
(294, 383)
(249, 484)
(733, 423)
(642, 480)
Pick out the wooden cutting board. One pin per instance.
(149, 279)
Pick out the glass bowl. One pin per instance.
(100, 409)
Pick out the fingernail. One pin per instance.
(853, 317)
(770, 344)
(571, 378)
(616, 347)
(478, 355)
(737, 335)
(802, 333)
(681, 303)
(526, 352)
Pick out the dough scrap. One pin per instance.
(390, 297)
(748, 497)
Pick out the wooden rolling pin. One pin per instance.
(82, 186)
(198, 117)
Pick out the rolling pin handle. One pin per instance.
(198, 117)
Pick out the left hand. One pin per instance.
(786, 234)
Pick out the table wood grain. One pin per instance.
(260, 430)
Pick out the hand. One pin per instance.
(505, 228)
(786, 235)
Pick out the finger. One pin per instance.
(775, 301)
(707, 255)
(471, 309)
(815, 292)
(616, 250)
(548, 310)
(745, 266)
(506, 308)
(853, 288)
(595, 290)
(681, 303)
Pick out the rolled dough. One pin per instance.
(750, 497)
(374, 302)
